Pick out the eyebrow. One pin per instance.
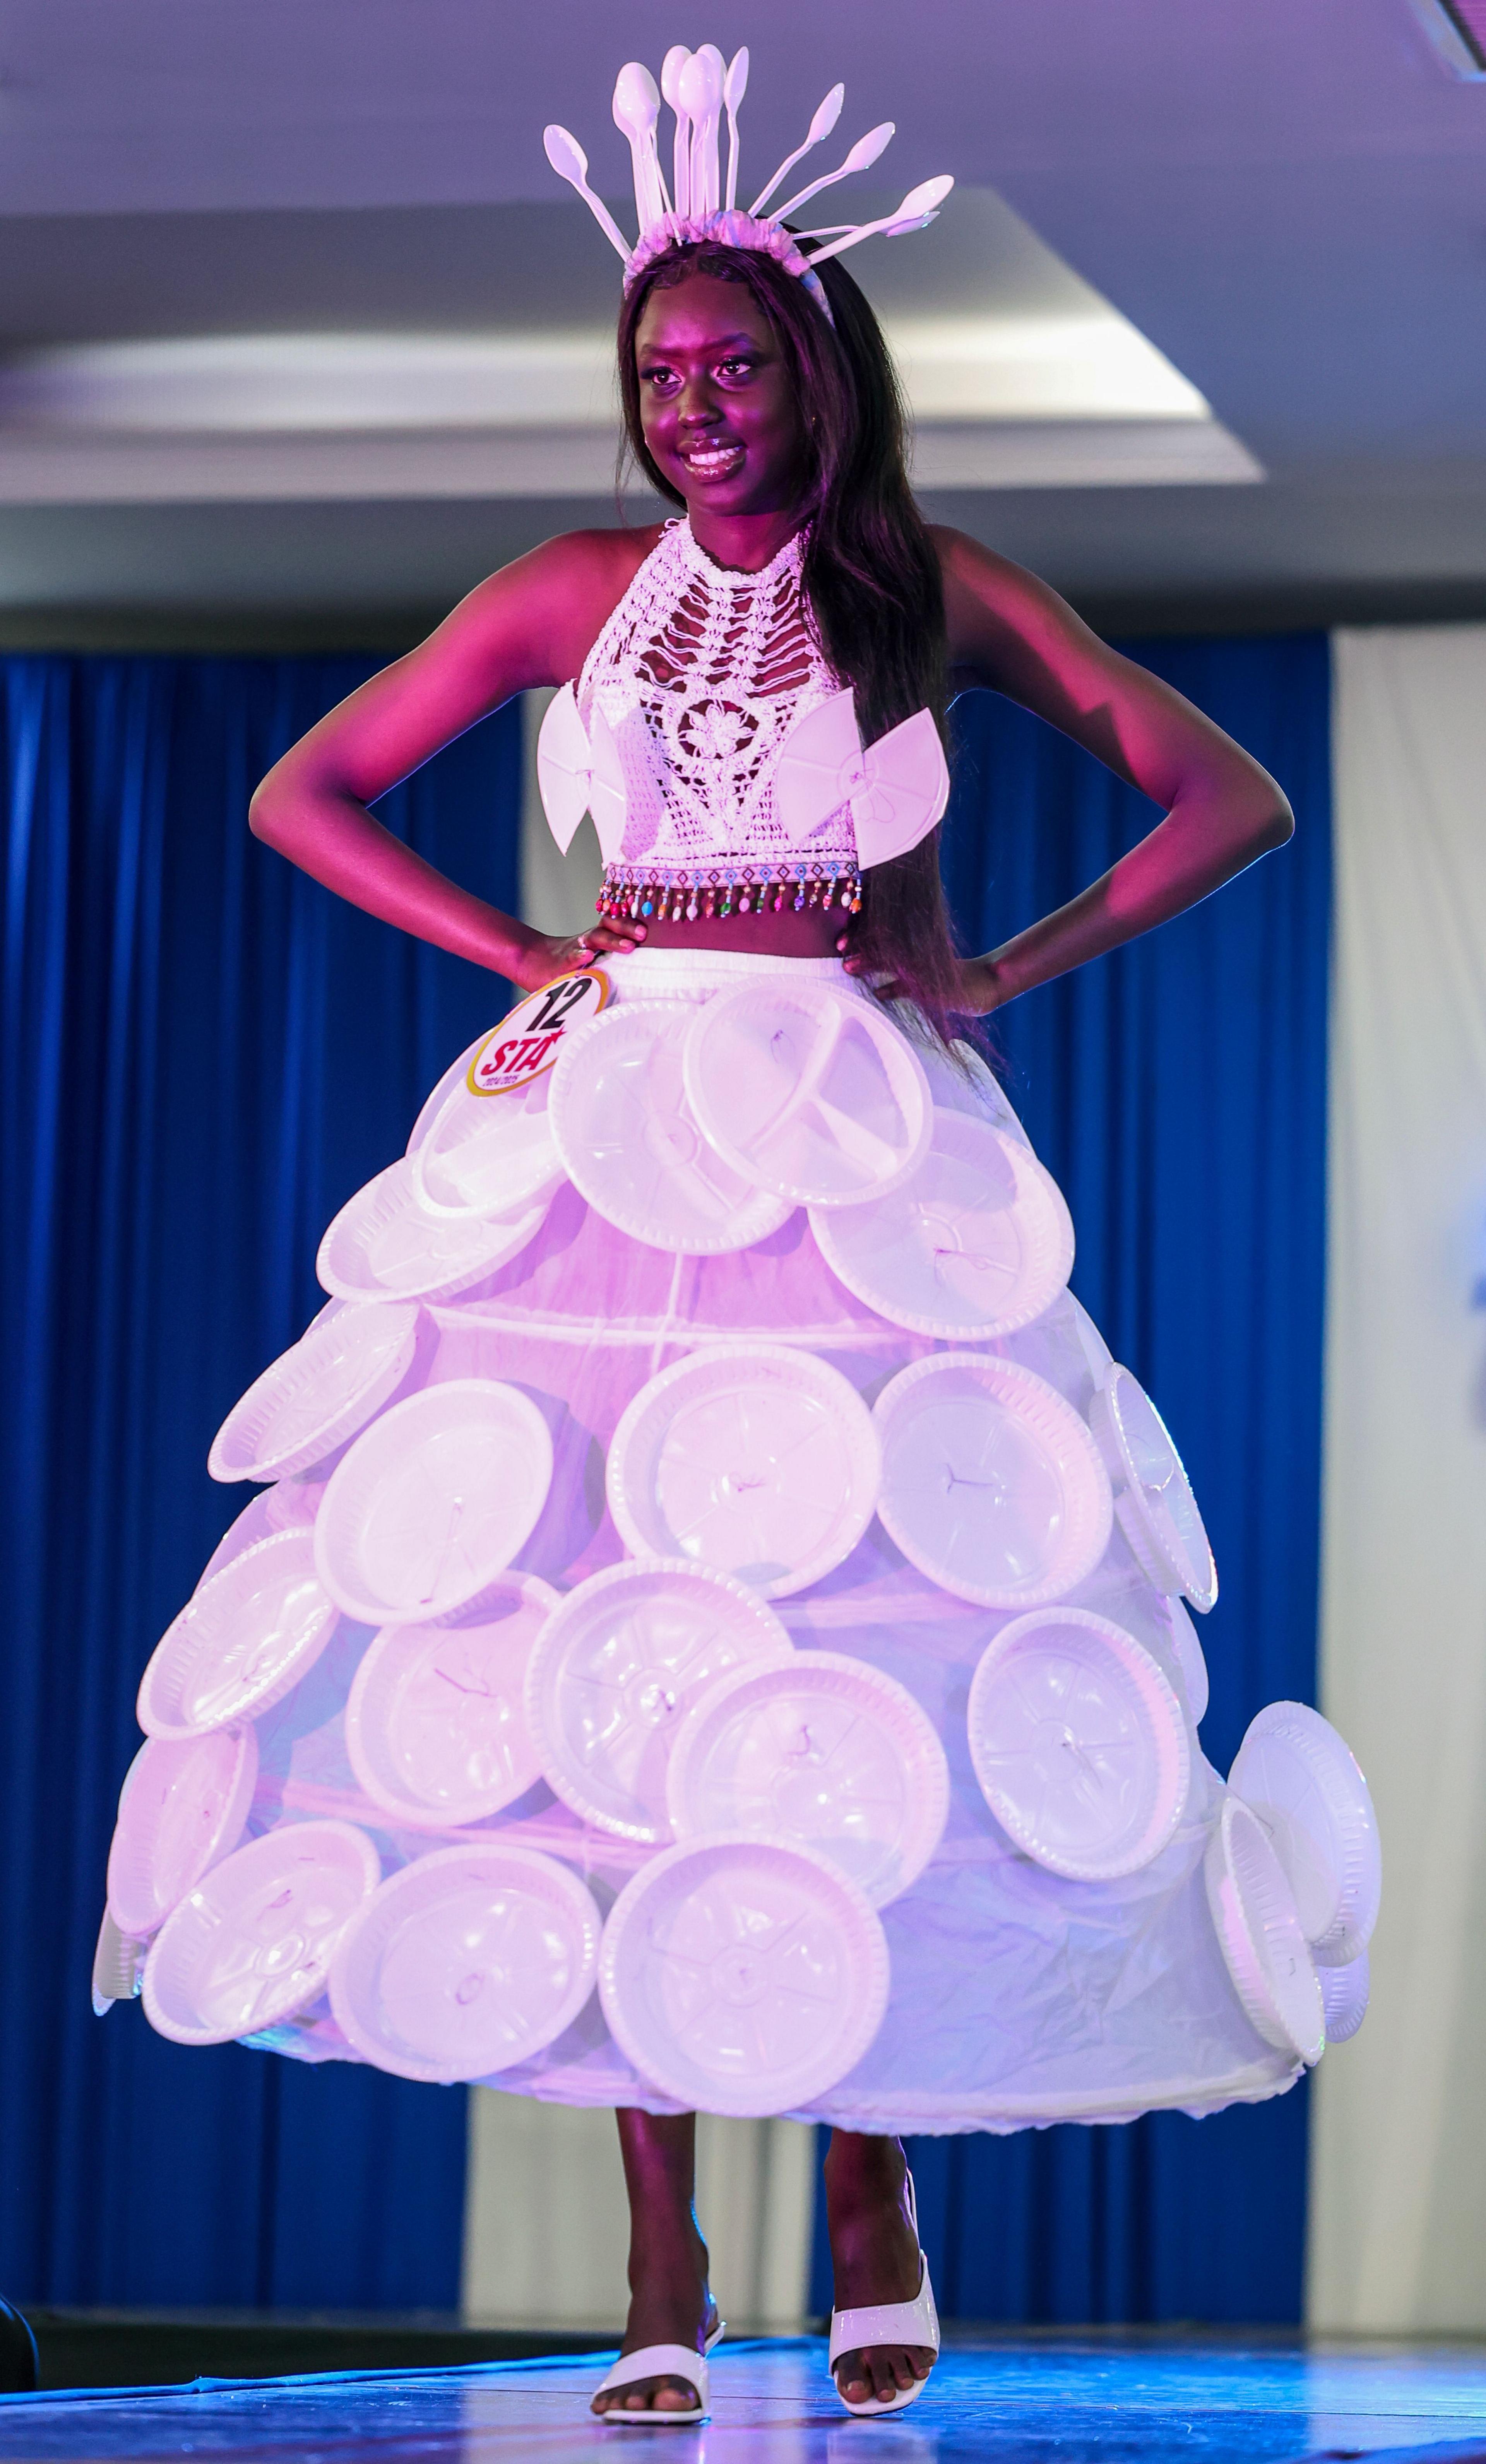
(715, 342)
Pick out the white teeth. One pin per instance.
(714, 458)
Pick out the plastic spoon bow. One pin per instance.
(700, 88)
(863, 154)
(918, 207)
(734, 87)
(670, 67)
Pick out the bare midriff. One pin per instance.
(787, 935)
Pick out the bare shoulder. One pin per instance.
(556, 598)
(996, 612)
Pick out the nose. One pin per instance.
(696, 403)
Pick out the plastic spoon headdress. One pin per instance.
(701, 89)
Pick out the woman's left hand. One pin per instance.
(547, 956)
(977, 994)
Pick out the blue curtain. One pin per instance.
(1177, 1089)
(204, 1054)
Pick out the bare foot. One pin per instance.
(669, 2300)
(874, 2258)
(661, 2312)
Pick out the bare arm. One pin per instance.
(531, 624)
(1008, 630)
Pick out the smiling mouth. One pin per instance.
(711, 461)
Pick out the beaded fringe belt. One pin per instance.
(673, 895)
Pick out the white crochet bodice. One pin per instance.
(700, 674)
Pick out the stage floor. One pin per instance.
(1086, 2402)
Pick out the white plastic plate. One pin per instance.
(1078, 1743)
(978, 1244)
(807, 1091)
(317, 1393)
(252, 1943)
(1259, 1930)
(741, 1976)
(487, 1155)
(1303, 1784)
(616, 1668)
(240, 1643)
(1153, 1496)
(1343, 1997)
(385, 1244)
(436, 1725)
(433, 1502)
(438, 1096)
(992, 1485)
(1189, 1656)
(756, 1460)
(118, 1966)
(823, 1752)
(183, 1810)
(466, 1963)
(631, 1144)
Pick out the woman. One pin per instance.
(762, 406)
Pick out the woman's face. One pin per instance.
(717, 407)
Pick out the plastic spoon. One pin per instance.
(918, 207)
(735, 86)
(637, 110)
(701, 92)
(863, 154)
(670, 67)
(570, 164)
(820, 129)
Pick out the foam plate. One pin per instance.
(240, 1643)
(1300, 1780)
(433, 1502)
(822, 1752)
(978, 1244)
(1259, 1929)
(741, 1976)
(252, 1943)
(1189, 1658)
(436, 1725)
(616, 1668)
(807, 1092)
(1078, 1743)
(316, 1394)
(1153, 1496)
(466, 1963)
(1343, 1998)
(438, 1096)
(631, 1144)
(756, 1460)
(183, 1808)
(385, 1244)
(487, 1155)
(992, 1485)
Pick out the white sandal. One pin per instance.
(661, 2362)
(889, 2322)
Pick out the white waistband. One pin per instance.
(655, 972)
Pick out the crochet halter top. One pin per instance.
(700, 674)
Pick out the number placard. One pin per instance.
(529, 1037)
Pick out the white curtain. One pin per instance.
(1398, 2206)
(547, 2229)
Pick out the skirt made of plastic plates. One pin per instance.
(715, 1633)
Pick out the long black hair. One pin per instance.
(871, 576)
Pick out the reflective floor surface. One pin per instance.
(1065, 2403)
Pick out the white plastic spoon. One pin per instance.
(670, 67)
(820, 129)
(735, 86)
(863, 154)
(702, 94)
(637, 110)
(918, 207)
(570, 164)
